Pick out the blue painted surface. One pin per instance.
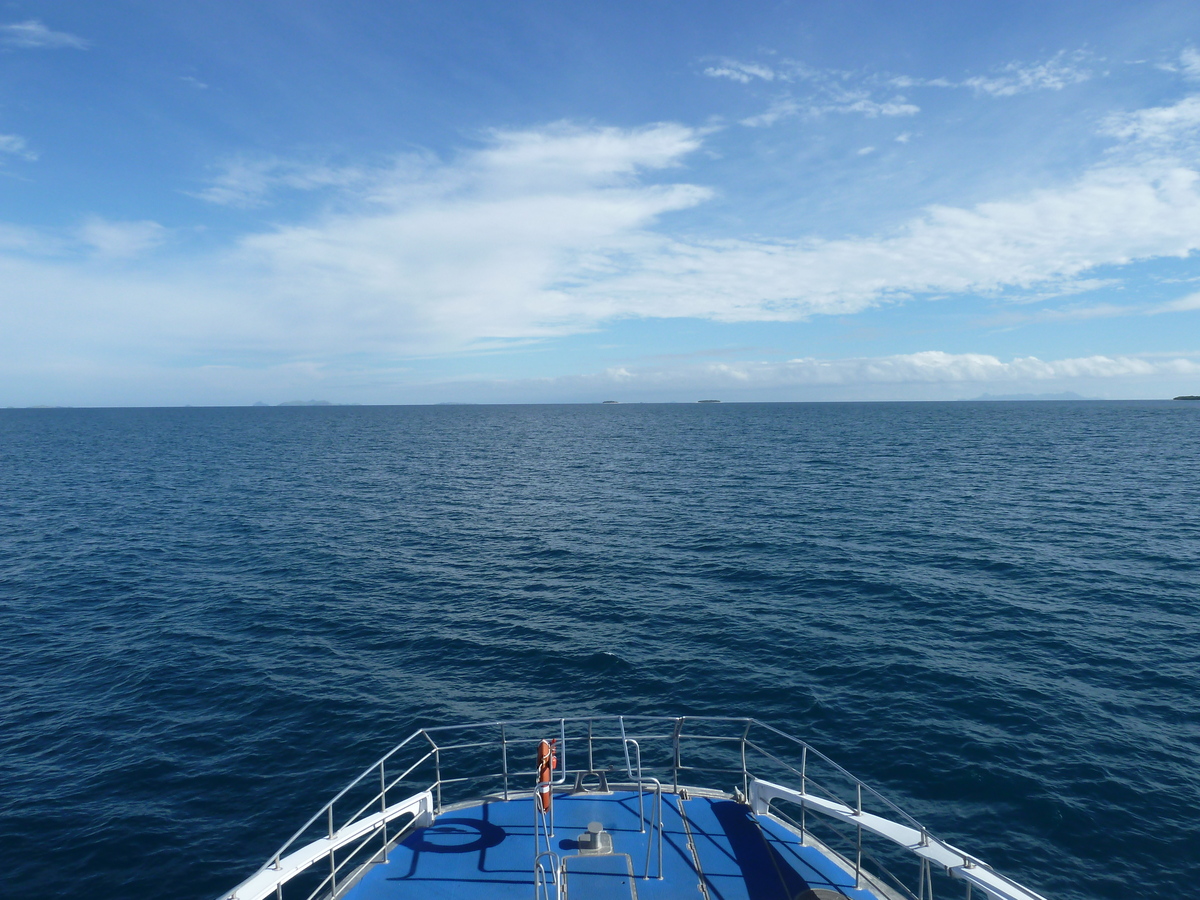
(487, 851)
(607, 877)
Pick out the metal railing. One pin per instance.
(434, 769)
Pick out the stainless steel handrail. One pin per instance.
(740, 739)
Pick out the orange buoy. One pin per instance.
(546, 760)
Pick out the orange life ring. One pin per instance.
(546, 760)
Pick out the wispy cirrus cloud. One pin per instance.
(1189, 63)
(15, 145)
(1189, 303)
(250, 182)
(120, 240)
(740, 72)
(824, 91)
(840, 91)
(33, 35)
(1061, 70)
(1159, 124)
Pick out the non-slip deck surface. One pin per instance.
(486, 852)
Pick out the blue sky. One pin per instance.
(406, 202)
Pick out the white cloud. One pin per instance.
(823, 91)
(740, 72)
(842, 101)
(780, 108)
(1111, 216)
(905, 81)
(193, 82)
(15, 145)
(501, 245)
(864, 151)
(120, 240)
(1183, 304)
(1060, 71)
(1054, 74)
(931, 374)
(32, 34)
(1189, 63)
(556, 230)
(940, 367)
(833, 101)
(1157, 124)
(247, 183)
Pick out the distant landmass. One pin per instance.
(708, 401)
(1188, 397)
(1065, 395)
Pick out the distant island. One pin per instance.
(610, 401)
(1188, 397)
(708, 401)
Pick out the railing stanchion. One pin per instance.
(383, 807)
(625, 745)
(803, 790)
(591, 762)
(745, 772)
(504, 757)
(332, 873)
(562, 753)
(638, 752)
(675, 753)
(437, 768)
(858, 812)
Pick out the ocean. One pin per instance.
(214, 618)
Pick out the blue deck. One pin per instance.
(487, 851)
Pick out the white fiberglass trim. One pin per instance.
(264, 882)
(957, 863)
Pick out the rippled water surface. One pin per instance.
(212, 618)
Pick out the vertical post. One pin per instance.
(383, 807)
(504, 758)
(745, 772)
(562, 752)
(858, 812)
(921, 882)
(437, 767)
(332, 856)
(591, 763)
(675, 749)
(625, 745)
(803, 789)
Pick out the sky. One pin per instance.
(424, 201)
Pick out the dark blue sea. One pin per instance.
(213, 618)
